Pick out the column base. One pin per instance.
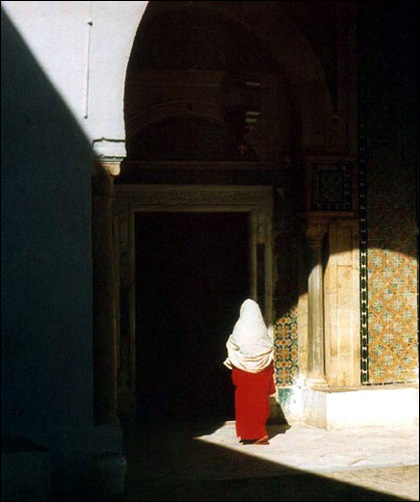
(25, 470)
(316, 382)
(359, 407)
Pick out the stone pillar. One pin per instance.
(104, 300)
(342, 304)
(124, 227)
(316, 342)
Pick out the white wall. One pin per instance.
(84, 47)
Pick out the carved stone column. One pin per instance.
(316, 342)
(104, 300)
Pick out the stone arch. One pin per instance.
(186, 137)
(139, 118)
(298, 65)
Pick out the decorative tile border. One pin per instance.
(286, 295)
(286, 350)
(364, 328)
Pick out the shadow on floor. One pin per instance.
(168, 462)
(276, 429)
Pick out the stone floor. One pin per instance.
(206, 462)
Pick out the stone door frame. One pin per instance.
(256, 201)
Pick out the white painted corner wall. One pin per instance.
(83, 48)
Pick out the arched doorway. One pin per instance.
(207, 104)
(197, 84)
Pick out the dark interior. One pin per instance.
(192, 274)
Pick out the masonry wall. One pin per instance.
(389, 118)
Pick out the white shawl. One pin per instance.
(250, 346)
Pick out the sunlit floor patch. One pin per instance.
(377, 458)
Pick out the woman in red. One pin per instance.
(250, 357)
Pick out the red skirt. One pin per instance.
(251, 401)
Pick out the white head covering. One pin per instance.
(250, 346)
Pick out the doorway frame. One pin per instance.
(129, 199)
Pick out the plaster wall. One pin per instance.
(46, 253)
(47, 366)
(83, 48)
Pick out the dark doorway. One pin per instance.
(192, 274)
